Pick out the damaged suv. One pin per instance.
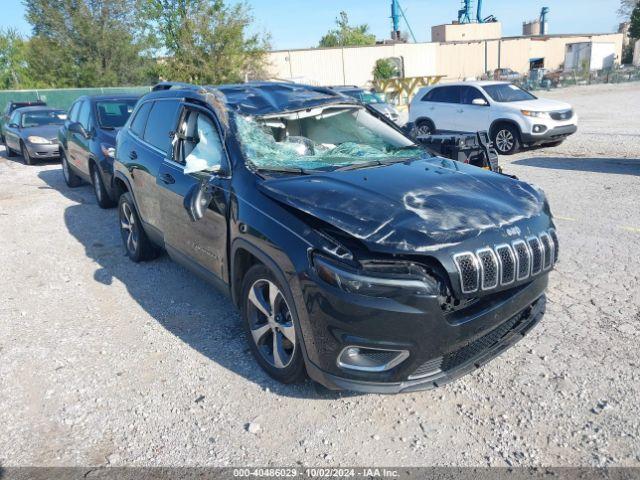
(353, 254)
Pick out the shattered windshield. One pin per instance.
(324, 138)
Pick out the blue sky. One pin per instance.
(301, 23)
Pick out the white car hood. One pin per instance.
(539, 105)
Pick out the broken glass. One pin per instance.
(321, 139)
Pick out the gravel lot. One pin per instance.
(106, 362)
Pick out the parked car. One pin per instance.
(351, 252)
(10, 107)
(512, 116)
(506, 75)
(87, 142)
(31, 132)
(371, 98)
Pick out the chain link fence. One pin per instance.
(558, 79)
(63, 97)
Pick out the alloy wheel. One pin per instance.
(505, 140)
(96, 185)
(128, 228)
(424, 129)
(65, 168)
(271, 323)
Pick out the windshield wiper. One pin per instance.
(373, 163)
(299, 171)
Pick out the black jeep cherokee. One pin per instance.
(352, 253)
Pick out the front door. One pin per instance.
(473, 118)
(12, 131)
(198, 156)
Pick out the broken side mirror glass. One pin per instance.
(199, 196)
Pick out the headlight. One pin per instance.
(530, 113)
(388, 280)
(108, 150)
(37, 140)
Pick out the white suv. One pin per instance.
(512, 116)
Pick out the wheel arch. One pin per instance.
(504, 121)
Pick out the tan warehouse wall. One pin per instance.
(454, 60)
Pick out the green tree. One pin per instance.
(384, 69)
(87, 43)
(626, 7)
(206, 41)
(634, 28)
(13, 60)
(346, 35)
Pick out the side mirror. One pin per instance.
(76, 127)
(197, 200)
(481, 102)
(13, 125)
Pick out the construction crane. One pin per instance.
(396, 13)
(543, 20)
(465, 14)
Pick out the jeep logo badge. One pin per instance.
(513, 231)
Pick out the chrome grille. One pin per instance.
(469, 271)
(507, 264)
(548, 251)
(523, 258)
(488, 268)
(536, 255)
(503, 264)
(562, 115)
(556, 245)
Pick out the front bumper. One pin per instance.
(443, 346)
(551, 135)
(43, 150)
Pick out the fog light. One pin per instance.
(370, 359)
(539, 128)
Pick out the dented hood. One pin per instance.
(414, 206)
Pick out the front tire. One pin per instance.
(28, 160)
(71, 179)
(424, 128)
(270, 326)
(136, 243)
(506, 139)
(102, 196)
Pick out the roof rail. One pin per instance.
(170, 85)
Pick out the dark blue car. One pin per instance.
(87, 142)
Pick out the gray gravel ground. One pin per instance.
(106, 362)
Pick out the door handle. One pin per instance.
(460, 110)
(167, 178)
(133, 155)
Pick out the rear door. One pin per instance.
(473, 118)
(12, 131)
(443, 107)
(199, 153)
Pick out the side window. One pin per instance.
(469, 94)
(73, 112)
(15, 118)
(140, 120)
(83, 116)
(162, 120)
(428, 97)
(199, 143)
(446, 95)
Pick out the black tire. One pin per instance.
(28, 160)
(263, 332)
(506, 139)
(424, 127)
(71, 179)
(102, 196)
(136, 243)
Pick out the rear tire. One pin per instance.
(136, 243)
(270, 325)
(506, 139)
(25, 155)
(71, 179)
(102, 196)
